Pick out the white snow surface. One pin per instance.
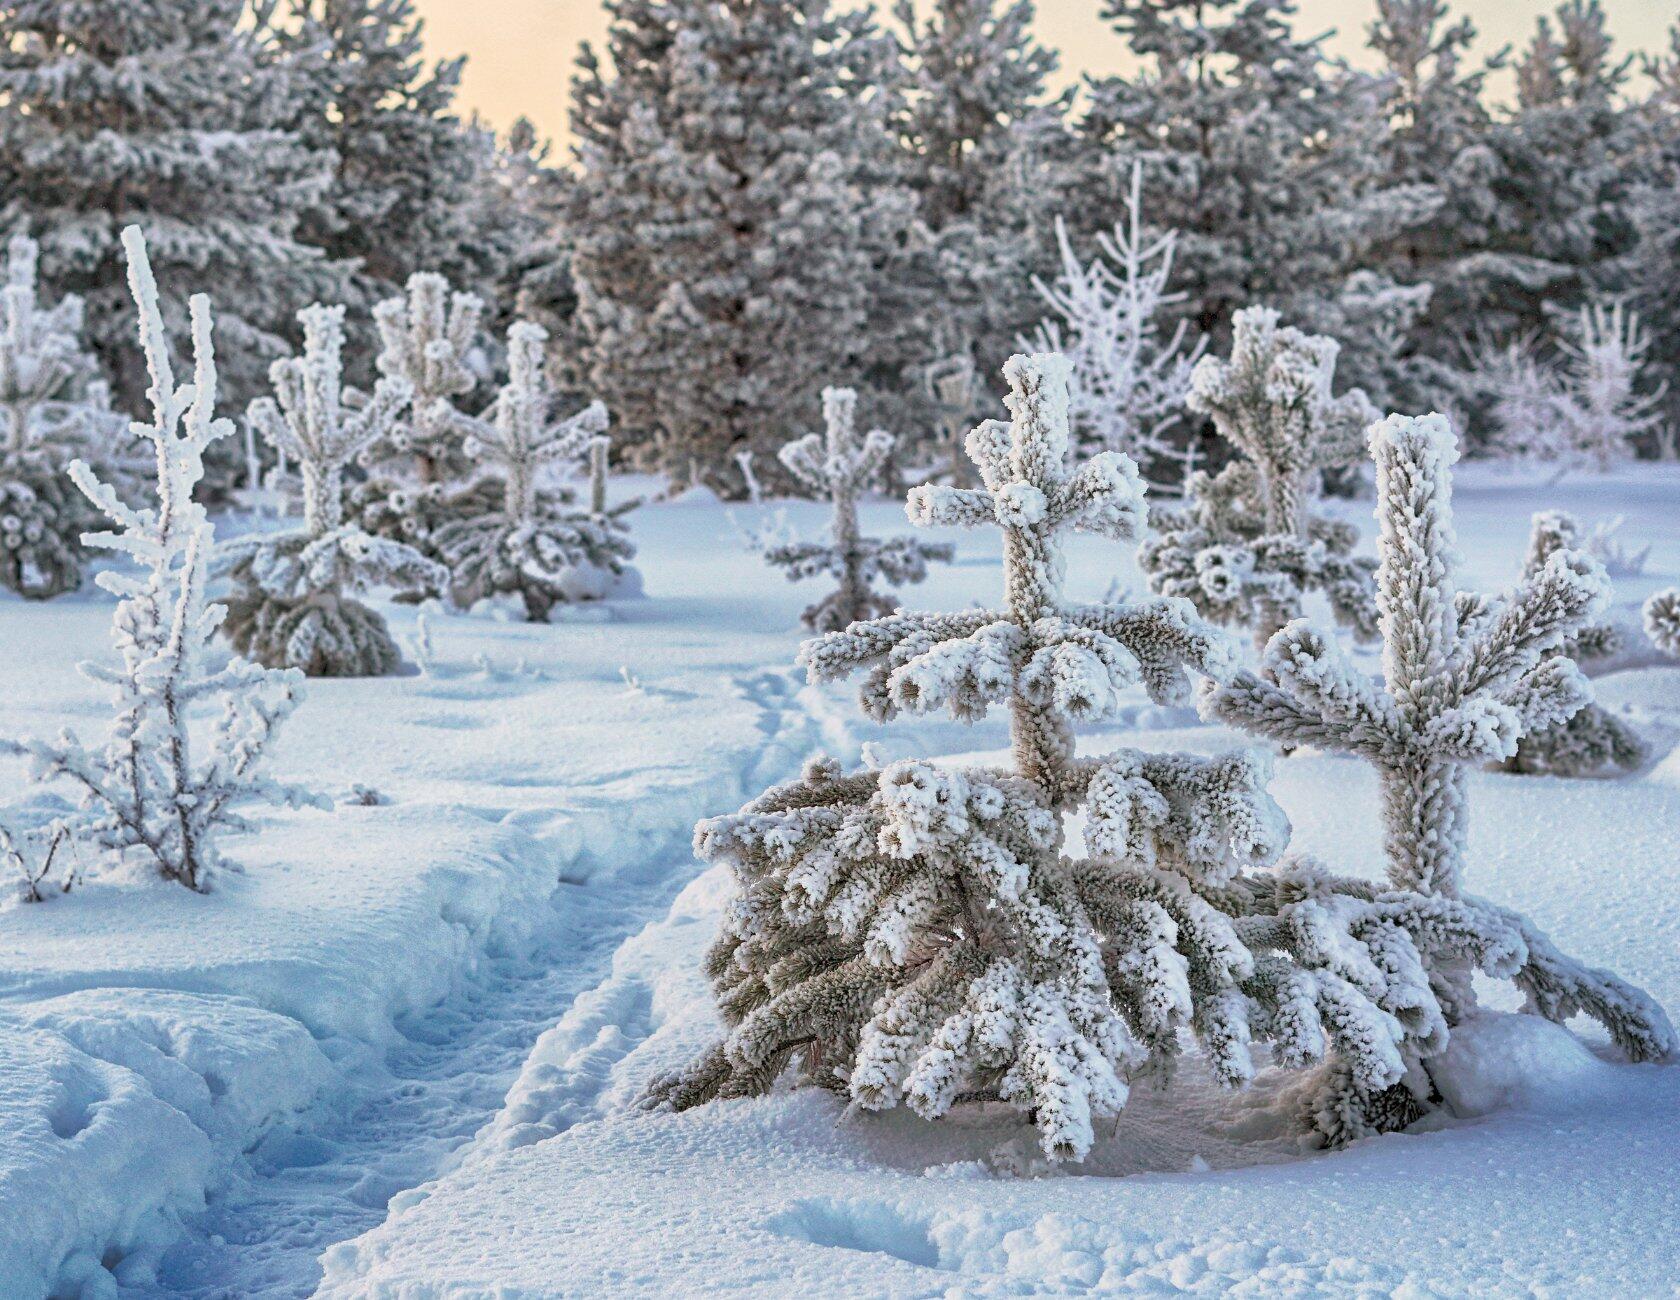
(404, 1043)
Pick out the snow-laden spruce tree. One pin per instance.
(916, 934)
(1130, 377)
(52, 411)
(839, 465)
(1662, 620)
(1247, 545)
(163, 789)
(292, 602)
(1465, 677)
(418, 474)
(1593, 741)
(173, 115)
(537, 541)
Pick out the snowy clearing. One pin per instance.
(469, 981)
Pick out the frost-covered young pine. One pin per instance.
(292, 602)
(164, 789)
(839, 465)
(1594, 741)
(915, 935)
(536, 540)
(1247, 545)
(418, 474)
(1464, 678)
(1662, 620)
(1129, 379)
(52, 411)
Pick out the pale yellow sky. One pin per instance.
(520, 51)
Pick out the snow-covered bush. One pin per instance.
(536, 540)
(916, 935)
(1128, 378)
(1591, 406)
(1247, 546)
(291, 604)
(1662, 621)
(419, 476)
(1593, 741)
(839, 465)
(160, 789)
(52, 411)
(1465, 677)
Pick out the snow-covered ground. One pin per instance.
(408, 1034)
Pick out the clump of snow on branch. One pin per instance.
(291, 605)
(52, 411)
(1247, 545)
(1128, 378)
(839, 465)
(1465, 677)
(536, 540)
(915, 934)
(1662, 621)
(1593, 741)
(162, 790)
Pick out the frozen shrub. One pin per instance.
(292, 604)
(1662, 621)
(839, 466)
(1465, 677)
(917, 935)
(535, 540)
(1247, 546)
(160, 789)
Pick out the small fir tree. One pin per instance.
(1464, 679)
(538, 542)
(1247, 546)
(418, 473)
(915, 934)
(1594, 741)
(1130, 380)
(160, 789)
(292, 604)
(52, 411)
(839, 466)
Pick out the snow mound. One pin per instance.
(1498, 1061)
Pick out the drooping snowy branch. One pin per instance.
(533, 538)
(158, 789)
(840, 465)
(292, 604)
(1247, 546)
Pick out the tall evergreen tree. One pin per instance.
(728, 229)
(1263, 153)
(172, 115)
(408, 186)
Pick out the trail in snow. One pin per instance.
(332, 1181)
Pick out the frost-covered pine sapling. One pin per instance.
(1662, 621)
(915, 934)
(537, 541)
(1464, 678)
(1594, 741)
(839, 465)
(419, 476)
(292, 603)
(52, 410)
(1129, 379)
(1248, 546)
(162, 790)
